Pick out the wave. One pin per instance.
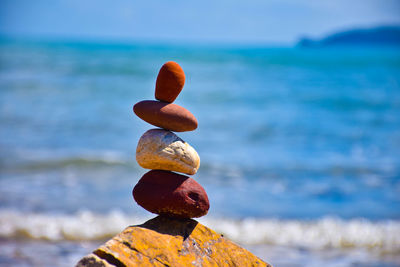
(327, 232)
(74, 161)
(42, 160)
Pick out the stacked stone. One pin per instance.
(162, 190)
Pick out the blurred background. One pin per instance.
(298, 104)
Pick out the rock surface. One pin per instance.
(170, 81)
(163, 150)
(171, 194)
(164, 115)
(169, 242)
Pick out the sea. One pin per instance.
(299, 147)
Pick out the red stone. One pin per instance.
(168, 116)
(171, 194)
(170, 81)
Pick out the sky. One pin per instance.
(205, 21)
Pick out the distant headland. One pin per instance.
(378, 36)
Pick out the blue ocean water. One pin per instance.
(291, 140)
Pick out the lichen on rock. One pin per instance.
(166, 241)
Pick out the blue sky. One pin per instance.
(224, 21)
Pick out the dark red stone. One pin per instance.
(171, 194)
(168, 116)
(170, 81)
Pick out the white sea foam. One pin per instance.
(84, 225)
(317, 234)
(323, 233)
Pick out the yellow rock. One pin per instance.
(160, 149)
(170, 242)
